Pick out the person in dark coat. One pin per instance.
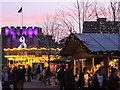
(9, 73)
(29, 73)
(99, 79)
(21, 77)
(69, 78)
(24, 71)
(15, 77)
(48, 76)
(38, 72)
(61, 77)
(84, 80)
(113, 80)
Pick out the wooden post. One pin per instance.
(8, 62)
(119, 68)
(82, 64)
(13, 62)
(75, 64)
(119, 64)
(93, 68)
(78, 66)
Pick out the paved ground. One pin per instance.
(37, 85)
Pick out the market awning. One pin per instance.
(88, 45)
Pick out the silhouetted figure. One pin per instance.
(9, 71)
(61, 77)
(21, 77)
(29, 74)
(113, 80)
(5, 79)
(24, 71)
(38, 72)
(15, 77)
(10, 75)
(99, 81)
(69, 78)
(84, 80)
(48, 76)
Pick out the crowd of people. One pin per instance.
(63, 77)
(18, 75)
(99, 81)
(15, 76)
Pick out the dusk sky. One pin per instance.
(33, 12)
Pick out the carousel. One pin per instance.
(24, 55)
(28, 56)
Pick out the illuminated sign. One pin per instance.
(23, 44)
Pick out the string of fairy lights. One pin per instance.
(27, 56)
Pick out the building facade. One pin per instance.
(25, 37)
(101, 26)
(11, 36)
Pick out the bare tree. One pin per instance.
(66, 22)
(50, 25)
(109, 10)
(69, 20)
(57, 26)
(80, 12)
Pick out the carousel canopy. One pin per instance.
(86, 45)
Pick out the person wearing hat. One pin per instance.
(84, 79)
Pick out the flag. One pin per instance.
(20, 10)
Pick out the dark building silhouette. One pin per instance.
(101, 26)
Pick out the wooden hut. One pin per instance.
(92, 45)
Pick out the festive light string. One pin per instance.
(18, 56)
(23, 49)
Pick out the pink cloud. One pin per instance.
(39, 19)
(18, 21)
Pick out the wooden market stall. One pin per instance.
(92, 45)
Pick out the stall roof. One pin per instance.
(87, 45)
(100, 42)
